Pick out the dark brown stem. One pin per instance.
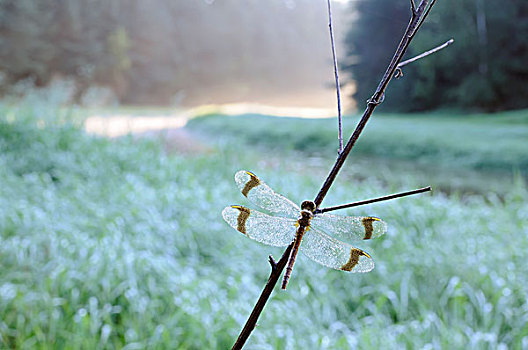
(417, 18)
(276, 271)
(369, 201)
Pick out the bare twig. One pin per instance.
(379, 199)
(376, 99)
(426, 53)
(336, 73)
(273, 263)
(417, 18)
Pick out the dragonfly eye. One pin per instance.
(308, 205)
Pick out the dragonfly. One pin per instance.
(289, 223)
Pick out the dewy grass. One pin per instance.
(489, 143)
(106, 244)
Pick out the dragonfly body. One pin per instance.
(307, 210)
(291, 223)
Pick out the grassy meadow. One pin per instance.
(452, 151)
(108, 244)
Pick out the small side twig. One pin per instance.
(374, 200)
(426, 53)
(336, 73)
(273, 263)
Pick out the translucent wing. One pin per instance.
(333, 253)
(258, 193)
(350, 228)
(270, 230)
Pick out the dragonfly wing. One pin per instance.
(258, 193)
(270, 230)
(333, 253)
(350, 228)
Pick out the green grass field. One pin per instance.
(116, 244)
(450, 151)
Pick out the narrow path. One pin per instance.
(115, 125)
(169, 127)
(119, 125)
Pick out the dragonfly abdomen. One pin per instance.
(304, 224)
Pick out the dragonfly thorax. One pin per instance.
(304, 219)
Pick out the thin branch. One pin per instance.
(426, 53)
(379, 199)
(413, 7)
(276, 271)
(376, 99)
(336, 73)
(414, 24)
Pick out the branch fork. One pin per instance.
(413, 8)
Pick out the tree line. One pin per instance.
(485, 69)
(223, 51)
(157, 51)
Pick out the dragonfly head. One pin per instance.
(308, 205)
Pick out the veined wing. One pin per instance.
(333, 253)
(350, 228)
(258, 193)
(270, 230)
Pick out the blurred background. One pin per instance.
(122, 124)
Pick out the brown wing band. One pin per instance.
(253, 182)
(242, 218)
(367, 224)
(353, 260)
